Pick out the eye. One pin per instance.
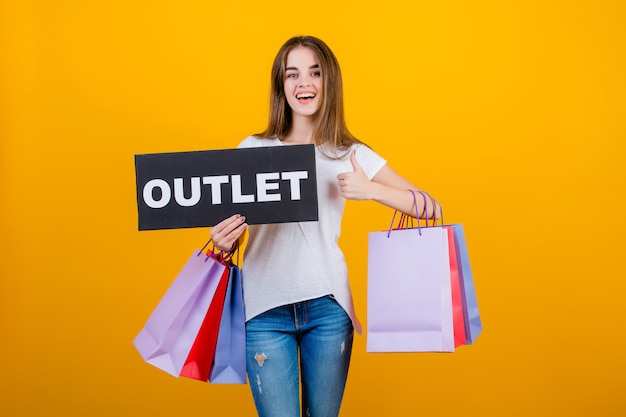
(316, 74)
(292, 75)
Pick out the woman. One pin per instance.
(299, 310)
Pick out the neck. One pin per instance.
(301, 131)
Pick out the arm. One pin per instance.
(387, 187)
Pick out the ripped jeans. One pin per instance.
(322, 332)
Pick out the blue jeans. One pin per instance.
(322, 333)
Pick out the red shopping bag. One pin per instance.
(471, 315)
(457, 300)
(200, 359)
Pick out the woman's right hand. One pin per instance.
(225, 233)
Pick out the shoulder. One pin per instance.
(364, 151)
(369, 159)
(256, 142)
(343, 153)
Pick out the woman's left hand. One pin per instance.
(354, 185)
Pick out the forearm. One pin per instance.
(402, 199)
(388, 188)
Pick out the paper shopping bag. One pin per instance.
(409, 301)
(200, 359)
(455, 285)
(471, 315)
(169, 333)
(229, 365)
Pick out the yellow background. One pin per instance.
(510, 113)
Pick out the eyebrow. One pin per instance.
(296, 69)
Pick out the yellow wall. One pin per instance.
(511, 113)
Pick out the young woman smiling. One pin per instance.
(300, 317)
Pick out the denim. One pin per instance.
(319, 333)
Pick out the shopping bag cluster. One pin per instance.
(421, 295)
(197, 329)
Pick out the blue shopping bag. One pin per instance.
(229, 365)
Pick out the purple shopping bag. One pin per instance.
(409, 300)
(229, 364)
(169, 333)
(471, 315)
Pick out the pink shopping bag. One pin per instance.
(169, 333)
(409, 300)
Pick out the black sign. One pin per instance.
(197, 189)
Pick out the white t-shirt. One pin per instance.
(287, 263)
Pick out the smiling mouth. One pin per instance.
(304, 96)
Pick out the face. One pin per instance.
(303, 82)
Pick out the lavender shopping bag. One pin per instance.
(471, 315)
(409, 307)
(169, 333)
(229, 364)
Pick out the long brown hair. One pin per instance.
(330, 127)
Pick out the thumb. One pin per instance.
(355, 164)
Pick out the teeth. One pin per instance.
(305, 95)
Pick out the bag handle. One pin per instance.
(204, 247)
(424, 194)
(403, 216)
(223, 256)
(226, 256)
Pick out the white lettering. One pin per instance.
(237, 196)
(294, 178)
(267, 189)
(216, 189)
(166, 193)
(179, 192)
(262, 187)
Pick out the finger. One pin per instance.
(234, 234)
(355, 164)
(227, 231)
(234, 225)
(224, 224)
(227, 241)
(342, 182)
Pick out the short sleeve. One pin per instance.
(369, 160)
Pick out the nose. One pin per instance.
(304, 81)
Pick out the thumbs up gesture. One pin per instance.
(354, 185)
